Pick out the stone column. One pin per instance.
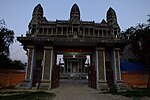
(67, 31)
(28, 69)
(27, 83)
(72, 30)
(67, 66)
(61, 30)
(47, 31)
(52, 31)
(88, 31)
(47, 68)
(71, 68)
(31, 66)
(78, 66)
(83, 32)
(82, 67)
(42, 31)
(33, 63)
(121, 86)
(101, 70)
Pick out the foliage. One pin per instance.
(113, 90)
(17, 64)
(10, 64)
(6, 38)
(139, 39)
(137, 93)
(133, 60)
(26, 95)
(4, 61)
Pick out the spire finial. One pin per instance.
(75, 14)
(111, 16)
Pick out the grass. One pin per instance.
(135, 93)
(26, 95)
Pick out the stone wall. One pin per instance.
(11, 78)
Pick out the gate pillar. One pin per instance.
(27, 83)
(101, 70)
(47, 68)
(115, 56)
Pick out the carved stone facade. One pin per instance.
(45, 39)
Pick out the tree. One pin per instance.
(17, 64)
(6, 38)
(139, 38)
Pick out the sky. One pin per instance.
(18, 13)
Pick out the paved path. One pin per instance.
(78, 90)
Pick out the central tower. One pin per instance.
(75, 14)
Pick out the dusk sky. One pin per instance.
(18, 13)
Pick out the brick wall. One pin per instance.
(135, 79)
(11, 77)
(14, 77)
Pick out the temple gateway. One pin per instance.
(89, 48)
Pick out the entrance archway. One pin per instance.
(74, 64)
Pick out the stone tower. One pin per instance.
(75, 14)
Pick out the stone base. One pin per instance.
(45, 85)
(26, 84)
(121, 86)
(102, 86)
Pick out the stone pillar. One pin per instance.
(101, 70)
(88, 31)
(82, 67)
(47, 31)
(52, 31)
(61, 30)
(33, 63)
(72, 30)
(67, 31)
(47, 68)
(121, 86)
(27, 83)
(71, 68)
(28, 69)
(42, 31)
(67, 66)
(78, 66)
(64, 67)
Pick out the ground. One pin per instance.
(79, 90)
(68, 90)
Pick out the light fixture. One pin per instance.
(74, 56)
